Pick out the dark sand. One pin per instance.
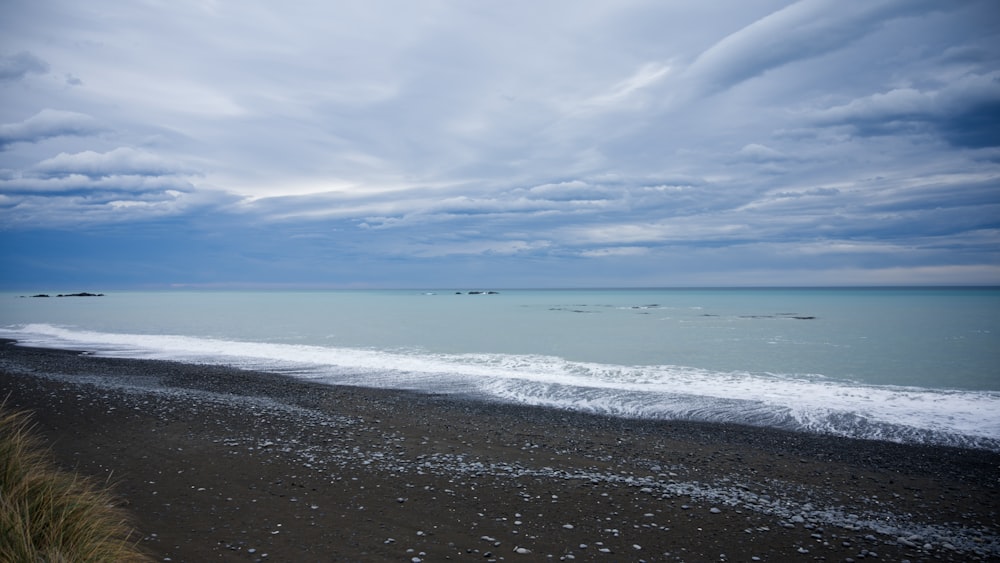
(222, 464)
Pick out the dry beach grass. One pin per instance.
(219, 464)
(51, 515)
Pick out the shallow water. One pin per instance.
(917, 365)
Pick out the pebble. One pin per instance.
(945, 536)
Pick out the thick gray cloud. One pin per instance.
(657, 142)
(803, 30)
(965, 112)
(121, 161)
(16, 66)
(46, 124)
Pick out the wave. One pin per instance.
(802, 402)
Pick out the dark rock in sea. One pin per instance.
(81, 294)
(493, 293)
(42, 295)
(804, 318)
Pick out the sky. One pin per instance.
(449, 143)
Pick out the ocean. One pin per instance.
(916, 365)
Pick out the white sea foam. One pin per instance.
(798, 402)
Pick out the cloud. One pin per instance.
(965, 112)
(804, 30)
(682, 229)
(645, 77)
(120, 161)
(615, 251)
(567, 190)
(89, 187)
(756, 152)
(47, 124)
(439, 249)
(533, 207)
(78, 203)
(17, 66)
(674, 140)
(78, 183)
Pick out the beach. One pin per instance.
(221, 464)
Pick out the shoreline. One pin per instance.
(215, 462)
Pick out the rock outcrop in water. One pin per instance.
(81, 294)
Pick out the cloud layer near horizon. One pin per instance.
(450, 143)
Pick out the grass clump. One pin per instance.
(53, 516)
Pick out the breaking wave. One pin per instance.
(801, 402)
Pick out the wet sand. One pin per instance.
(219, 464)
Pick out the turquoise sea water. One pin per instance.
(919, 364)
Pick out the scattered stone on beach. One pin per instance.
(618, 485)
